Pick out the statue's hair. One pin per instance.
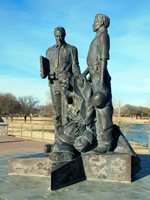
(61, 29)
(104, 18)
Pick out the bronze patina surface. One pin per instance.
(84, 132)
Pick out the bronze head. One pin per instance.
(100, 21)
(64, 79)
(60, 34)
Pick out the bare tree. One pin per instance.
(134, 111)
(47, 110)
(117, 105)
(28, 106)
(148, 103)
(145, 111)
(9, 105)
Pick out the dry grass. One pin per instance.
(139, 148)
(39, 120)
(48, 123)
(40, 128)
(122, 121)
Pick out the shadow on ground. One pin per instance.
(145, 169)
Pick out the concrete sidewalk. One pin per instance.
(14, 187)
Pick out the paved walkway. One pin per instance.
(14, 187)
(12, 143)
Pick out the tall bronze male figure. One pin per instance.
(97, 67)
(61, 56)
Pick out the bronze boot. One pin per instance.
(102, 148)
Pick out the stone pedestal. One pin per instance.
(37, 165)
(119, 165)
(111, 167)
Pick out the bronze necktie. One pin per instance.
(57, 57)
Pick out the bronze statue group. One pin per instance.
(82, 102)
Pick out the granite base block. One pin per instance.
(36, 165)
(112, 166)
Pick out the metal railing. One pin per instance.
(31, 130)
(46, 132)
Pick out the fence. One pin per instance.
(46, 132)
(32, 130)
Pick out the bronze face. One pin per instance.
(64, 82)
(96, 25)
(59, 37)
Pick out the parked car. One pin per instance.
(35, 115)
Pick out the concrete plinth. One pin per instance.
(37, 165)
(119, 165)
(112, 166)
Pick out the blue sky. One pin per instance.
(27, 32)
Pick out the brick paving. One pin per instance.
(9, 143)
(13, 187)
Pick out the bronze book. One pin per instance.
(45, 69)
